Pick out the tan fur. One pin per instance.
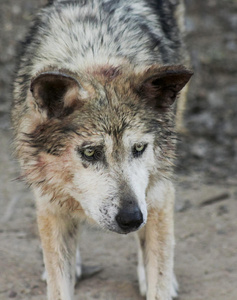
(181, 106)
(157, 243)
(65, 185)
(60, 275)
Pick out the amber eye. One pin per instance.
(138, 149)
(89, 152)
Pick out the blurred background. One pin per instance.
(206, 207)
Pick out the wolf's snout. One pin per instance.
(129, 219)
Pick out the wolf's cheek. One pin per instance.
(91, 189)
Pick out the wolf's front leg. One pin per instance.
(156, 245)
(59, 242)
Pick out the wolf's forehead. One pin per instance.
(119, 126)
(122, 128)
(125, 139)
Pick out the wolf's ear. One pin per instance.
(161, 85)
(56, 93)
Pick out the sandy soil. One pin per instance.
(206, 206)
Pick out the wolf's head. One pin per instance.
(101, 139)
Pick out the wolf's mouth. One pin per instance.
(125, 230)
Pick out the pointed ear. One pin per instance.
(161, 85)
(56, 93)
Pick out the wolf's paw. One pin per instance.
(44, 276)
(175, 287)
(82, 272)
(142, 280)
(142, 288)
(78, 268)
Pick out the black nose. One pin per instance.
(129, 219)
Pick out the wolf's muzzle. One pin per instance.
(129, 218)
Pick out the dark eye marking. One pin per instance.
(91, 154)
(138, 149)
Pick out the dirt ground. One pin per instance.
(206, 206)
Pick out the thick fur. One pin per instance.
(102, 76)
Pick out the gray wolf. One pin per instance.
(93, 116)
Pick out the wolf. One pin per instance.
(93, 117)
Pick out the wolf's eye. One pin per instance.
(89, 152)
(138, 149)
(92, 154)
